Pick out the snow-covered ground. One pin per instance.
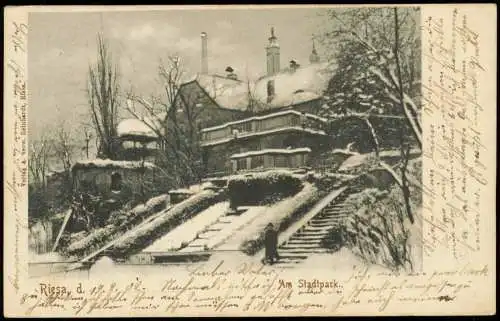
(242, 221)
(232, 225)
(187, 232)
(340, 262)
(45, 257)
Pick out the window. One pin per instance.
(281, 161)
(258, 125)
(258, 161)
(270, 90)
(116, 182)
(300, 160)
(246, 127)
(242, 163)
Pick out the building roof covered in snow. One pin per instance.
(226, 92)
(111, 164)
(292, 87)
(146, 128)
(272, 151)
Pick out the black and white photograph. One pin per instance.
(249, 160)
(287, 137)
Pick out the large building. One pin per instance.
(270, 122)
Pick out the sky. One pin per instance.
(62, 44)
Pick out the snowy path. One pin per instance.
(187, 231)
(224, 228)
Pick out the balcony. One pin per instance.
(270, 158)
(264, 160)
(285, 121)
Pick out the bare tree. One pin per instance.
(64, 147)
(38, 165)
(174, 118)
(102, 93)
(38, 162)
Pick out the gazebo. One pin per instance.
(138, 138)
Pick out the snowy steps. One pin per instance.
(302, 246)
(304, 241)
(285, 256)
(309, 239)
(194, 248)
(201, 243)
(216, 233)
(310, 235)
(301, 251)
(197, 242)
(207, 235)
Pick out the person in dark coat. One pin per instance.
(271, 242)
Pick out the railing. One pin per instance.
(261, 124)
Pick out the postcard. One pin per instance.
(319, 160)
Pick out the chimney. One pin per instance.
(230, 73)
(204, 53)
(314, 57)
(273, 55)
(294, 65)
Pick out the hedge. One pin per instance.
(284, 214)
(262, 188)
(118, 223)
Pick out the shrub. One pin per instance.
(118, 222)
(97, 236)
(145, 235)
(262, 188)
(129, 216)
(334, 239)
(378, 231)
(330, 181)
(284, 214)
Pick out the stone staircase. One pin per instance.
(212, 234)
(316, 235)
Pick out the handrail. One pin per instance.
(61, 230)
(264, 117)
(261, 132)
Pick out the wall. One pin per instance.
(100, 179)
(310, 107)
(210, 114)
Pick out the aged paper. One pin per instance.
(200, 243)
